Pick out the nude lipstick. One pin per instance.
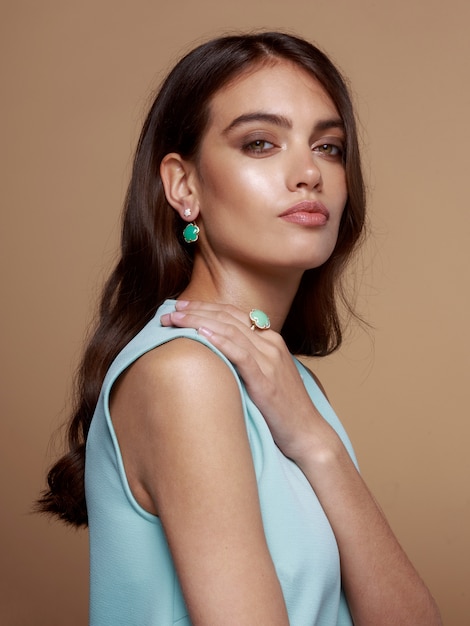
(307, 213)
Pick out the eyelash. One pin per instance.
(338, 150)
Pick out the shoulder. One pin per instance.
(178, 382)
(182, 365)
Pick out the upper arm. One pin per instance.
(188, 450)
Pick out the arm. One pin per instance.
(381, 585)
(188, 459)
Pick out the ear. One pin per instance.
(177, 177)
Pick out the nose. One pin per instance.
(303, 170)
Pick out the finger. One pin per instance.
(242, 316)
(216, 321)
(240, 351)
(192, 317)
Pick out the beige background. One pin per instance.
(76, 78)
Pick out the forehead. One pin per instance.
(281, 87)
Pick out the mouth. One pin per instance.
(308, 213)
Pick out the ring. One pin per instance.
(260, 320)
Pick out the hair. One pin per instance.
(154, 262)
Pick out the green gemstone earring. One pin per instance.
(191, 233)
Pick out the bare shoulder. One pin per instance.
(179, 371)
(175, 392)
(179, 356)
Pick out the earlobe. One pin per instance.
(176, 175)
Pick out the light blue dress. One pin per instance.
(133, 581)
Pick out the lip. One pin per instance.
(308, 213)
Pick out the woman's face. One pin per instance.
(270, 180)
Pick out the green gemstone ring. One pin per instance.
(259, 320)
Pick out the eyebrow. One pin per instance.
(281, 121)
(259, 116)
(331, 123)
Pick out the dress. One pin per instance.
(133, 581)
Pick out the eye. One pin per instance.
(258, 146)
(329, 150)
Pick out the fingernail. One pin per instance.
(204, 331)
(181, 304)
(178, 316)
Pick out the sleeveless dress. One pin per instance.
(133, 581)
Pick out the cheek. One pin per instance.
(230, 184)
(261, 184)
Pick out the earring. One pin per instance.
(187, 212)
(191, 233)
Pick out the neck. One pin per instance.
(245, 288)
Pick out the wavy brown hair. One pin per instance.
(154, 262)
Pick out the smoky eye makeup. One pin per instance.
(332, 147)
(258, 142)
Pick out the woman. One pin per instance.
(220, 486)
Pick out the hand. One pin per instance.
(265, 365)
